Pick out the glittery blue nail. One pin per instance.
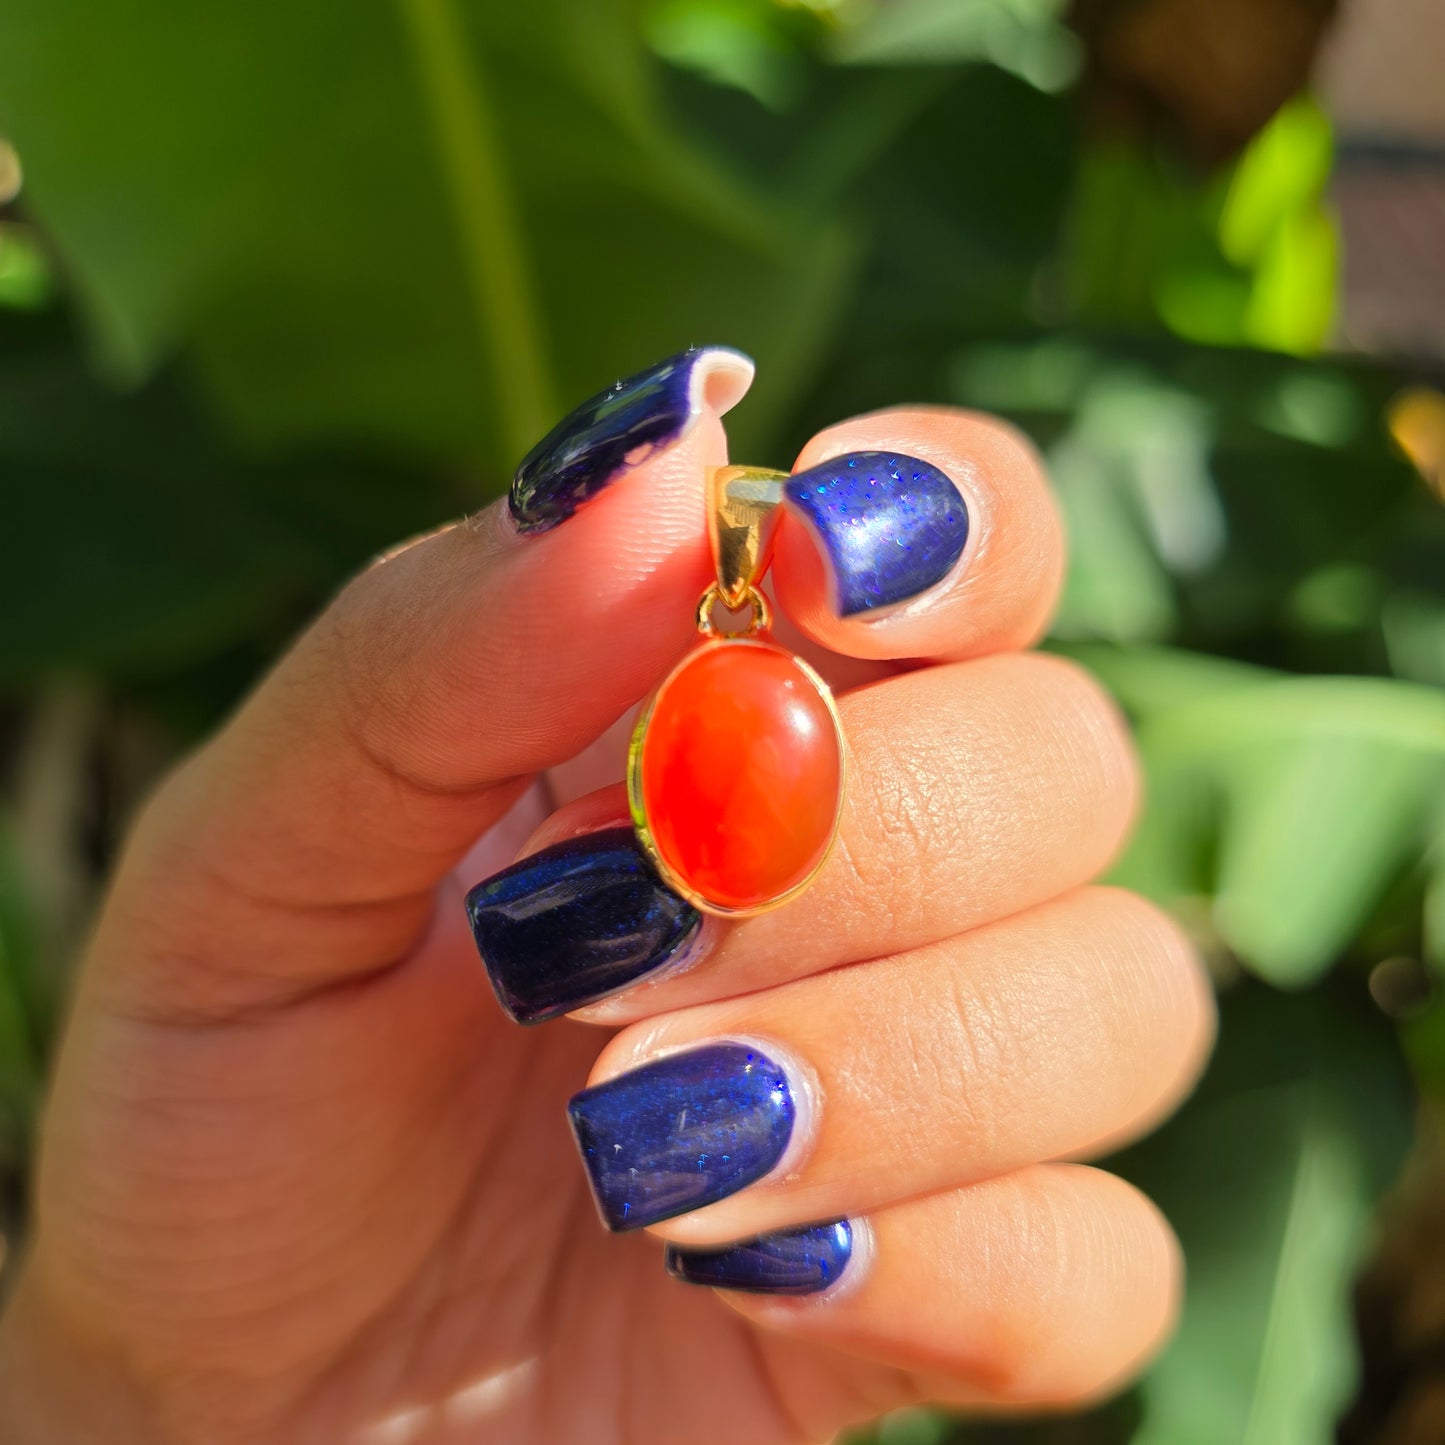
(612, 432)
(788, 1261)
(682, 1132)
(892, 526)
(576, 922)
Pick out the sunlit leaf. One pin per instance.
(1026, 37)
(1292, 304)
(1315, 829)
(1138, 501)
(1293, 802)
(742, 43)
(1116, 587)
(25, 279)
(1249, 255)
(1284, 171)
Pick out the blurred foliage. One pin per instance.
(285, 283)
(1251, 256)
(24, 1011)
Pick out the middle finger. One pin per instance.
(975, 790)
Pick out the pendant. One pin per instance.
(736, 768)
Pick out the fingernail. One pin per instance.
(891, 526)
(615, 430)
(576, 922)
(682, 1132)
(788, 1261)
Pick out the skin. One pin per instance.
(300, 1179)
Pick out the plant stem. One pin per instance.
(487, 216)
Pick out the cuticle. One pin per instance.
(805, 1089)
(698, 946)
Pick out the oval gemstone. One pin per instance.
(739, 774)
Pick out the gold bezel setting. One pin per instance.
(634, 778)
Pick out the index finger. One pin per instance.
(301, 846)
(919, 532)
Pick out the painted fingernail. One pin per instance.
(788, 1261)
(682, 1132)
(620, 427)
(576, 922)
(890, 526)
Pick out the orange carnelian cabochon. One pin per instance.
(741, 773)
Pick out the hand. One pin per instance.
(302, 1181)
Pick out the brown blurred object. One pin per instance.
(1383, 70)
(1400, 1306)
(1383, 79)
(1206, 74)
(1391, 204)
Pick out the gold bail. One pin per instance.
(742, 512)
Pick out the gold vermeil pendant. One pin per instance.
(737, 765)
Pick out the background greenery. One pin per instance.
(286, 282)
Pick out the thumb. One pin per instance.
(301, 846)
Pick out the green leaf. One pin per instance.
(749, 44)
(1202, 299)
(1292, 304)
(1270, 1176)
(1325, 785)
(1134, 486)
(1312, 404)
(460, 108)
(1283, 172)
(25, 280)
(1249, 254)
(1315, 831)
(1026, 37)
(1414, 626)
(137, 542)
(1152, 680)
(414, 224)
(1115, 587)
(1294, 802)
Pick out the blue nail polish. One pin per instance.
(788, 1261)
(576, 922)
(682, 1132)
(892, 526)
(606, 435)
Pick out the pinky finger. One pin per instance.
(1044, 1288)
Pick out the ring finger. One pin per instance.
(1050, 1034)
